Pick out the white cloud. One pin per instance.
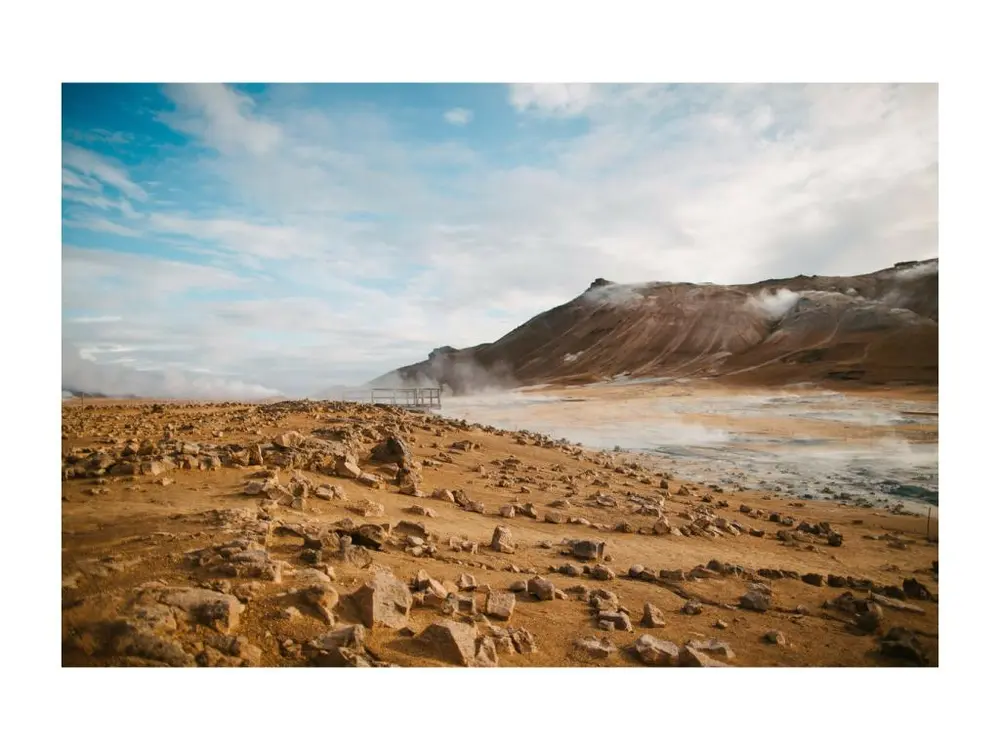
(558, 99)
(221, 117)
(98, 319)
(458, 116)
(73, 180)
(100, 225)
(101, 168)
(728, 184)
(96, 200)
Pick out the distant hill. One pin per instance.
(875, 328)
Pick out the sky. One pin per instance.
(249, 241)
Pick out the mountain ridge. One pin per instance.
(874, 328)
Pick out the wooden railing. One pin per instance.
(408, 398)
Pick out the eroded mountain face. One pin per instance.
(878, 328)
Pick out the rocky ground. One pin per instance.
(331, 534)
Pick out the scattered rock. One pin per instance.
(776, 637)
(713, 647)
(384, 601)
(756, 601)
(451, 641)
(602, 573)
(870, 617)
(620, 620)
(503, 540)
(692, 607)
(599, 648)
(542, 588)
(587, 549)
(690, 657)
(914, 589)
(655, 652)
(900, 643)
(500, 604)
(652, 617)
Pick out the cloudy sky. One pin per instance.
(241, 241)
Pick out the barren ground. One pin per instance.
(132, 514)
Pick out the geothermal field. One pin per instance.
(631, 524)
(870, 448)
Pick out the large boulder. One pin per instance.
(588, 549)
(542, 588)
(370, 535)
(756, 601)
(599, 648)
(503, 540)
(500, 604)
(656, 652)
(452, 641)
(384, 600)
(690, 657)
(652, 616)
(219, 611)
(393, 450)
(900, 643)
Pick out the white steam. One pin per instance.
(84, 375)
(918, 271)
(775, 304)
(615, 294)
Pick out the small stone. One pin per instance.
(602, 573)
(713, 647)
(518, 586)
(652, 617)
(524, 642)
(599, 648)
(756, 601)
(587, 549)
(620, 620)
(467, 582)
(690, 657)
(500, 604)
(573, 571)
(900, 643)
(870, 618)
(311, 556)
(776, 637)
(692, 607)
(655, 652)
(542, 588)
(721, 624)
(503, 540)
(452, 641)
(384, 601)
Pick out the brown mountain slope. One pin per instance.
(876, 328)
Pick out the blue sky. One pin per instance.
(244, 240)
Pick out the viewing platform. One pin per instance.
(416, 399)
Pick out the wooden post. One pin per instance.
(929, 509)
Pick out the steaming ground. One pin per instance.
(805, 442)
